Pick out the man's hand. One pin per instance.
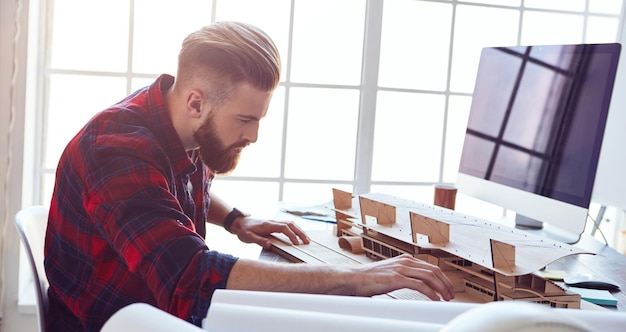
(251, 230)
(370, 279)
(403, 271)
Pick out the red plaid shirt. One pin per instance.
(127, 220)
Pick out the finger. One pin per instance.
(260, 240)
(291, 230)
(426, 290)
(432, 276)
(299, 233)
(438, 281)
(449, 286)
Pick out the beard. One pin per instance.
(214, 153)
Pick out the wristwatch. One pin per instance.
(232, 215)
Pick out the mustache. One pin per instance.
(241, 144)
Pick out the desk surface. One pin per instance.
(606, 262)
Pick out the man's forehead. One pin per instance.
(250, 102)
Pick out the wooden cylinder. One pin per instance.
(445, 196)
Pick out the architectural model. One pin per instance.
(485, 261)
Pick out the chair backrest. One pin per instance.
(31, 223)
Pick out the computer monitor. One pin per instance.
(535, 132)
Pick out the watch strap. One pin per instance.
(230, 218)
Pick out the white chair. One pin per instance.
(31, 223)
(142, 317)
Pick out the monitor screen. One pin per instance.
(535, 130)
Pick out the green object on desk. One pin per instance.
(597, 296)
(328, 219)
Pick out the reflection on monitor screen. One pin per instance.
(535, 131)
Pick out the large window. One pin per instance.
(374, 94)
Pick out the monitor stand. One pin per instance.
(538, 228)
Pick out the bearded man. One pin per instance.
(132, 196)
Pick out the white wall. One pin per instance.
(10, 184)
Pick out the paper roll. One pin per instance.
(352, 244)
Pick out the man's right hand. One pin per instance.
(369, 279)
(399, 272)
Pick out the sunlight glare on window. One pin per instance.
(606, 6)
(419, 61)
(458, 113)
(257, 197)
(570, 5)
(598, 28)
(512, 3)
(328, 41)
(408, 137)
(422, 194)
(74, 99)
(321, 135)
(84, 38)
(564, 28)
(304, 194)
(157, 38)
(138, 83)
(475, 28)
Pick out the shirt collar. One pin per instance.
(182, 161)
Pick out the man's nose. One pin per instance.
(251, 134)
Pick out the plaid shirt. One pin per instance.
(127, 220)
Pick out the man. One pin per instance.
(132, 196)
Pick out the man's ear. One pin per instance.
(195, 99)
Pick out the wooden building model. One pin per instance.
(485, 261)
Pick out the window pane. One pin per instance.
(563, 28)
(73, 100)
(601, 29)
(219, 239)
(407, 137)
(421, 61)
(477, 208)
(273, 17)
(476, 27)
(514, 3)
(420, 194)
(258, 198)
(458, 113)
(138, 83)
(606, 6)
(157, 38)
(321, 134)
(327, 49)
(328, 41)
(573, 5)
(263, 158)
(47, 185)
(84, 38)
(311, 193)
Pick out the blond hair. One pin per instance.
(224, 54)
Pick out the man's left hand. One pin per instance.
(251, 230)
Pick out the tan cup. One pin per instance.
(445, 196)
